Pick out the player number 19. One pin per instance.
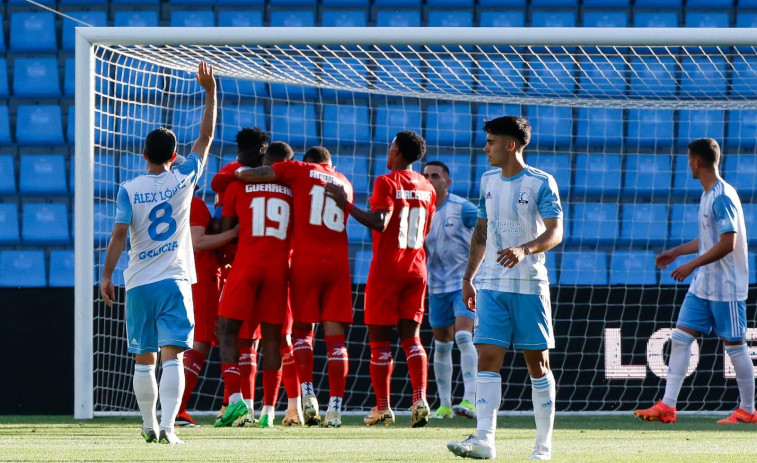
(275, 210)
(324, 211)
(412, 226)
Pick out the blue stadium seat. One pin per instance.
(104, 219)
(448, 125)
(500, 75)
(346, 3)
(583, 268)
(94, 18)
(707, 18)
(744, 19)
(39, 125)
(647, 175)
(450, 3)
(397, 3)
(552, 77)
(449, 75)
(139, 18)
(104, 117)
(3, 78)
(69, 78)
(297, 93)
(599, 127)
(683, 183)
(459, 166)
(450, 18)
(185, 122)
(703, 77)
(118, 272)
(136, 121)
(684, 222)
(2, 38)
(632, 268)
(402, 18)
(572, 4)
(9, 224)
(715, 4)
(105, 176)
(556, 165)
(597, 175)
(551, 125)
(5, 129)
(394, 118)
(343, 18)
(655, 18)
(43, 174)
(131, 165)
(192, 18)
(502, 18)
(61, 269)
(594, 223)
(210, 170)
(693, 124)
(602, 77)
(45, 224)
(189, 2)
(644, 224)
(750, 217)
(298, 3)
(488, 111)
(498, 4)
(33, 33)
(741, 173)
(36, 78)
(345, 125)
(744, 77)
(234, 118)
(344, 73)
(7, 175)
(653, 77)
(25, 269)
(362, 262)
(605, 18)
(292, 18)
(650, 127)
(356, 167)
(742, 125)
(296, 123)
(240, 18)
(137, 80)
(553, 19)
(231, 87)
(357, 233)
(667, 280)
(136, 2)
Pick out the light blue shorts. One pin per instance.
(523, 321)
(159, 314)
(726, 318)
(445, 307)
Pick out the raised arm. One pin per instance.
(256, 174)
(475, 257)
(115, 248)
(208, 124)
(377, 220)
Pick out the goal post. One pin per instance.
(611, 109)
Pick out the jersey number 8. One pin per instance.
(163, 219)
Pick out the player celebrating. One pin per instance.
(403, 203)
(519, 218)
(448, 245)
(154, 208)
(320, 273)
(717, 296)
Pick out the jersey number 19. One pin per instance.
(275, 210)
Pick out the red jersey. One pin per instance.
(399, 250)
(206, 262)
(319, 224)
(222, 179)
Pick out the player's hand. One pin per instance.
(682, 272)
(205, 76)
(337, 193)
(107, 291)
(469, 295)
(664, 259)
(510, 257)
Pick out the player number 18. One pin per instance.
(324, 211)
(412, 225)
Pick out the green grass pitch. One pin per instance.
(577, 439)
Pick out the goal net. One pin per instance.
(612, 113)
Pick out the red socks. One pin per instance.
(338, 366)
(231, 379)
(303, 354)
(248, 369)
(289, 372)
(417, 365)
(193, 362)
(381, 368)
(271, 384)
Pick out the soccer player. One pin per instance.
(320, 272)
(716, 300)
(402, 204)
(448, 245)
(154, 207)
(519, 219)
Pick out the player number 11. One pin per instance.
(324, 211)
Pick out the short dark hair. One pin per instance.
(438, 163)
(706, 149)
(511, 126)
(251, 139)
(411, 145)
(317, 154)
(160, 145)
(279, 151)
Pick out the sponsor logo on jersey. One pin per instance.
(168, 247)
(414, 194)
(449, 223)
(523, 198)
(488, 195)
(508, 226)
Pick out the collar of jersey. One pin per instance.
(514, 177)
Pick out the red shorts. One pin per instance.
(321, 289)
(205, 297)
(255, 295)
(388, 301)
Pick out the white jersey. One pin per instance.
(156, 208)
(726, 279)
(448, 244)
(515, 209)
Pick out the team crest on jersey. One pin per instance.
(523, 198)
(449, 223)
(488, 195)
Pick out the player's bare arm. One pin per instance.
(475, 257)
(115, 248)
(725, 245)
(665, 258)
(203, 241)
(551, 237)
(377, 220)
(256, 174)
(205, 78)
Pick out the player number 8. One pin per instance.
(163, 219)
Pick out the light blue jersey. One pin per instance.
(515, 209)
(448, 244)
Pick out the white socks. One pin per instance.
(543, 394)
(307, 389)
(268, 410)
(335, 404)
(235, 397)
(171, 391)
(744, 368)
(146, 390)
(488, 398)
(678, 364)
(468, 363)
(443, 371)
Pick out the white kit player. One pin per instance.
(519, 219)
(448, 245)
(154, 208)
(716, 300)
